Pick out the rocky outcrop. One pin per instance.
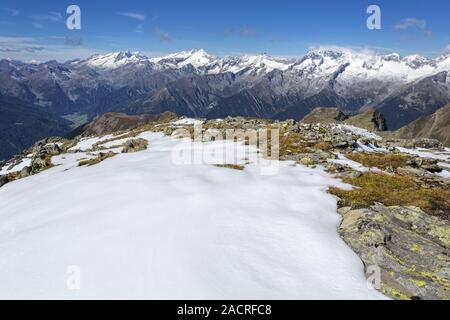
(135, 145)
(410, 247)
(5, 179)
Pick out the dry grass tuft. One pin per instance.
(324, 146)
(379, 160)
(292, 143)
(393, 190)
(231, 166)
(100, 157)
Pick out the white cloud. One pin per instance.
(247, 32)
(140, 28)
(407, 23)
(50, 16)
(42, 49)
(163, 36)
(12, 12)
(133, 15)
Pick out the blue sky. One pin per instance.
(37, 30)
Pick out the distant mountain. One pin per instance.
(21, 125)
(416, 99)
(195, 83)
(324, 115)
(435, 126)
(371, 119)
(114, 122)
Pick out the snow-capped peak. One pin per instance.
(197, 58)
(265, 63)
(114, 59)
(316, 63)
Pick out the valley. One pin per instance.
(197, 84)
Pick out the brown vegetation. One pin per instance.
(393, 190)
(379, 160)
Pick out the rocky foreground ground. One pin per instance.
(396, 216)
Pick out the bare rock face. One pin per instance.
(410, 247)
(379, 121)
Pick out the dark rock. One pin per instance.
(379, 121)
(430, 165)
(4, 180)
(25, 172)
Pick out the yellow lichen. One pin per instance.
(415, 248)
(419, 283)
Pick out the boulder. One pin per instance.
(410, 248)
(135, 145)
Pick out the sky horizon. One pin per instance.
(38, 31)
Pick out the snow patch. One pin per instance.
(358, 131)
(342, 160)
(425, 153)
(18, 167)
(187, 121)
(140, 227)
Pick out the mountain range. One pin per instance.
(61, 96)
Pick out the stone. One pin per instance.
(409, 246)
(25, 172)
(135, 145)
(4, 179)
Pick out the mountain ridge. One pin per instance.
(197, 84)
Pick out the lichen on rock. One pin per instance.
(408, 245)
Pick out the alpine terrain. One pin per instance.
(194, 83)
(168, 207)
